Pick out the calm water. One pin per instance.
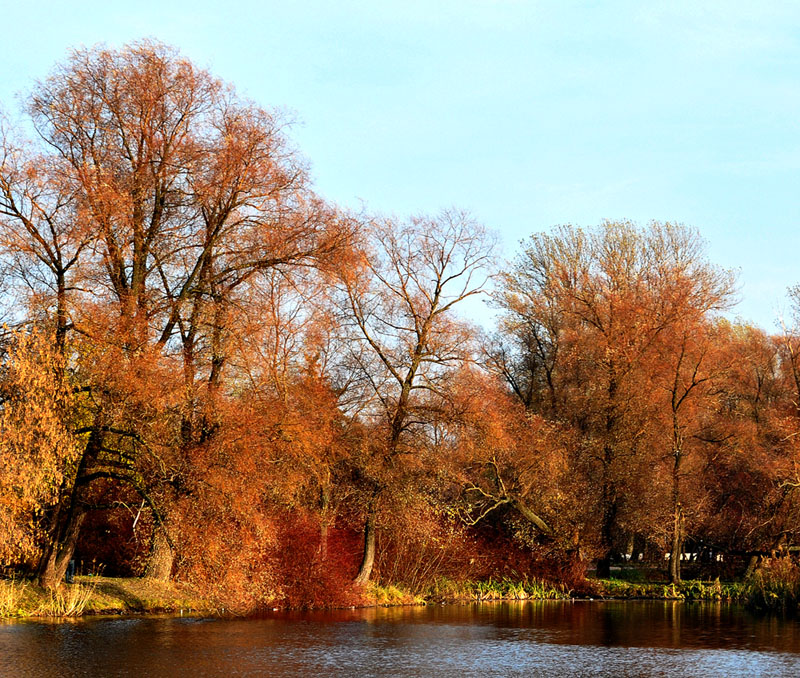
(519, 639)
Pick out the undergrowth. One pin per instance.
(775, 585)
(505, 588)
(685, 590)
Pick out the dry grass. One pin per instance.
(144, 595)
(69, 600)
(11, 595)
(375, 594)
(98, 595)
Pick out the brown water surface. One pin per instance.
(635, 638)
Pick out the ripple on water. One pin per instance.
(650, 638)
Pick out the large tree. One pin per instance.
(398, 301)
(154, 197)
(585, 313)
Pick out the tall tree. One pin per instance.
(688, 376)
(163, 193)
(585, 311)
(399, 302)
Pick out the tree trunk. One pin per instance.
(677, 546)
(323, 540)
(159, 565)
(55, 567)
(607, 529)
(530, 516)
(603, 570)
(368, 560)
(324, 523)
(677, 509)
(752, 565)
(51, 549)
(67, 520)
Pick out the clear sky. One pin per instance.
(526, 113)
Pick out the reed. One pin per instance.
(775, 585)
(11, 597)
(506, 588)
(686, 590)
(69, 600)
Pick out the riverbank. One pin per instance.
(130, 596)
(602, 589)
(100, 595)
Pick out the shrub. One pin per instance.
(310, 576)
(775, 585)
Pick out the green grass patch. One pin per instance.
(496, 589)
(686, 590)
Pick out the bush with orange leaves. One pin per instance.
(37, 447)
(224, 557)
(312, 574)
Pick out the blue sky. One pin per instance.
(527, 113)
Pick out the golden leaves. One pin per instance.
(37, 446)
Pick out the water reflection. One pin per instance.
(645, 638)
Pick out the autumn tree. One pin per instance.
(163, 193)
(398, 302)
(689, 373)
(748, 448)
(584, 314)
(38, 445)
(754, 448)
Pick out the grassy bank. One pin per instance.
(450, 591)
(686, 590)
(106, 595)
(760, 592)
(97, 595)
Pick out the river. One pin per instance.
(543, 638)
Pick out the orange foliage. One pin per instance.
(38, 449)
(216, 375)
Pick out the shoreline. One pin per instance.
(130, 597)
(96, 596)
